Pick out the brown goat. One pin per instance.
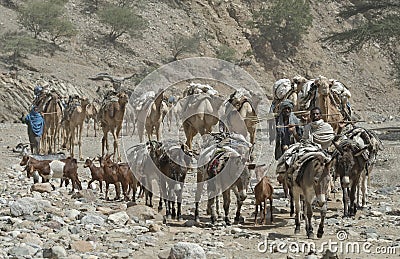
(263, 192)
(97, 173)
(114, 173)
(64, 169)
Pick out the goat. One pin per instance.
(263, 192)
(97, 173)
(119, 173)
(22, 149)
(64, 169)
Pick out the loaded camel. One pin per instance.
(329, 108)
(111, 118)
(74, 125)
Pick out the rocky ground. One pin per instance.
(60, 224)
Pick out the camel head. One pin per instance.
(323, 85)
(123, 98)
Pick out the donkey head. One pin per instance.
(321, 165)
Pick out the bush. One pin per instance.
(226, 53)
(184, 44)
(283, 24)
(46, 16)
(17, 44)
(121, 20)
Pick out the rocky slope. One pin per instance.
(367, 74)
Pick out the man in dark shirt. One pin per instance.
(288, 130)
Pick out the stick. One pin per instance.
(48, 112)
(287, 126)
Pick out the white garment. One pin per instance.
(319, 132)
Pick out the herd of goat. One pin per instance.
(225, 163)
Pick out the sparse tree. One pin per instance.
(46, 17)
(381, 24)
(283, 23)
(17, 44)
(121, 20)
(226, 53)
(184, 44)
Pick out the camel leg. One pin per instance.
(104, 144)
(80, 142)
(255, 215)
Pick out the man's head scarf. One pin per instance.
(286, 103)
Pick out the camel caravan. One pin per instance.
(310, 121)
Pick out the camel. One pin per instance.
(130, 118)
(74, 125)
(111, 117)
(245, 106)
(200, 113)
(52, 114)
(92, 111)
(325, 101)
(154, 117)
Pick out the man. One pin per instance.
(318, 131)
(35, 123)
(288, 130)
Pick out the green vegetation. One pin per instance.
(226, 53)
(184, 44)
(381, 25)
(18, 44)
(45, 18)
(121, 20)
(283, 23)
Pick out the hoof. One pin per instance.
(227, 221)
(159, 208)
(213, 220)
(320, 233)
(310, 235)
(168, 216)
(239, 220)
(179, 218)
(297, 230)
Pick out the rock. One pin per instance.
(93, 219)
(82, 246)
(72, 214)
(154, 228)
(55, 252)
(143, 212)
(41, 187)
(85, 194)
(185, 250)
(190, 223)
(22, 251)
(119, 218)
(330, 255)
(27, 206)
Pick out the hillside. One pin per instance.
(366, 74)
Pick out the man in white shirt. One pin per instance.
(318, 131)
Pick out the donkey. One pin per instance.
(350, 164)
(223, 165)
(311, 180)
(173, 160)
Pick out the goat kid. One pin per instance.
(263, 192)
